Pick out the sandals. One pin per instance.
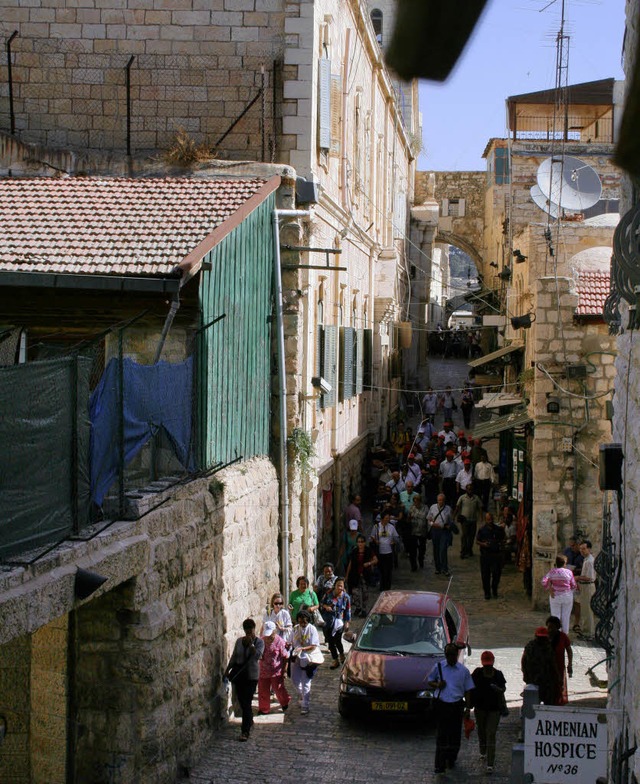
(576, 627)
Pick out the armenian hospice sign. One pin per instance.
(563, 744)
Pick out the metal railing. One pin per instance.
(579, 129)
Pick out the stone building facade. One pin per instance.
(624, 604)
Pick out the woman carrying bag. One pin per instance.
(306, 658)
(243, 671)
(335, 607)
(359, 575)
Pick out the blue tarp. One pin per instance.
(154, 396)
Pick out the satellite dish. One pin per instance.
(569, 182)
(541, 200)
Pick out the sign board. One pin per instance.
(564, 745)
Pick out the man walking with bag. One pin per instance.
(453, 685)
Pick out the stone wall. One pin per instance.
(151, 644)
(464, 232)
(566, 496)
(196, 66)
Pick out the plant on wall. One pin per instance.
(302, 447)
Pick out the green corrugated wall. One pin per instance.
(235, 354)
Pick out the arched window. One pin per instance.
(376, 20)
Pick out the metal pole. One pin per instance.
(273, 112)
(128, 73)
(12, 115)
(264, 114)
(120, 424)
(282, 387)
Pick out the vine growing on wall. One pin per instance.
(303, 450)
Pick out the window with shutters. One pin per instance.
(346, 385)
(329, 365)
(367, 365)
(336, 113)
(453, 208)
(359, 361)
(324, 103)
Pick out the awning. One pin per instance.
(501, 352)
(499, 399)
(499, 424)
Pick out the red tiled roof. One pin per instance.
(593, 289)
(116, 226)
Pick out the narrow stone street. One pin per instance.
(321, 746)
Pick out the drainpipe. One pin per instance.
(576, 433)
(282, 387)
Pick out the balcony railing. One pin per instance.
(579, 129)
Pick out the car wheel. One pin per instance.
(343, 710)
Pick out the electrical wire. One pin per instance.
(542, 369)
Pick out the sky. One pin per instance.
(513, 51)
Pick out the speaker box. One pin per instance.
(611, 458)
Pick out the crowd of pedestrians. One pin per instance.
(438, 486)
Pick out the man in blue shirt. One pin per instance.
(452, 684)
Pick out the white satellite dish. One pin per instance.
(569, 182)
(541, 200)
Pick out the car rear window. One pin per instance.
(410, 634)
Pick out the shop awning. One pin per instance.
(499, 424)
(501, 352)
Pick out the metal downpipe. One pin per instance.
(282, 389)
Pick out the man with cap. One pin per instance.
(464, 477)
(447, 434)
(489, 704)
(468, 513)
(385, 537)
(425, 431)
(490, 539)
(243, 670)
(539, 665)
(453, 686)
(448, 473)
(476, 451)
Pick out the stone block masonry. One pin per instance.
(59, 50)
(150, 648)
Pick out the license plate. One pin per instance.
(390, 706)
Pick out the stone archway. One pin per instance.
(448, 238)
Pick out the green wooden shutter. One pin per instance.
(319, 359)
(367, 371)
(347, 360)
(359, 361)
(329, 365)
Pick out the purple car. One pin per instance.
(403, 636)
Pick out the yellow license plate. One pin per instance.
(390, 706)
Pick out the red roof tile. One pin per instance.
(112, 226)
(593, 289)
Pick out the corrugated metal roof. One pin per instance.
(501, 352)
(593, 290)
(115, 226)
(499, 424)
(598, 92)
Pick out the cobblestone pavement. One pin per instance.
(322, 747)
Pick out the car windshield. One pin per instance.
(410, 634)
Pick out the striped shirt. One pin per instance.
(560, 579)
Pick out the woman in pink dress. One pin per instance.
(561, 584)
(273, 665)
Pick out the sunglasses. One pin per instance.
(275, 603)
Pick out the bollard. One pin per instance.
(530, 697)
